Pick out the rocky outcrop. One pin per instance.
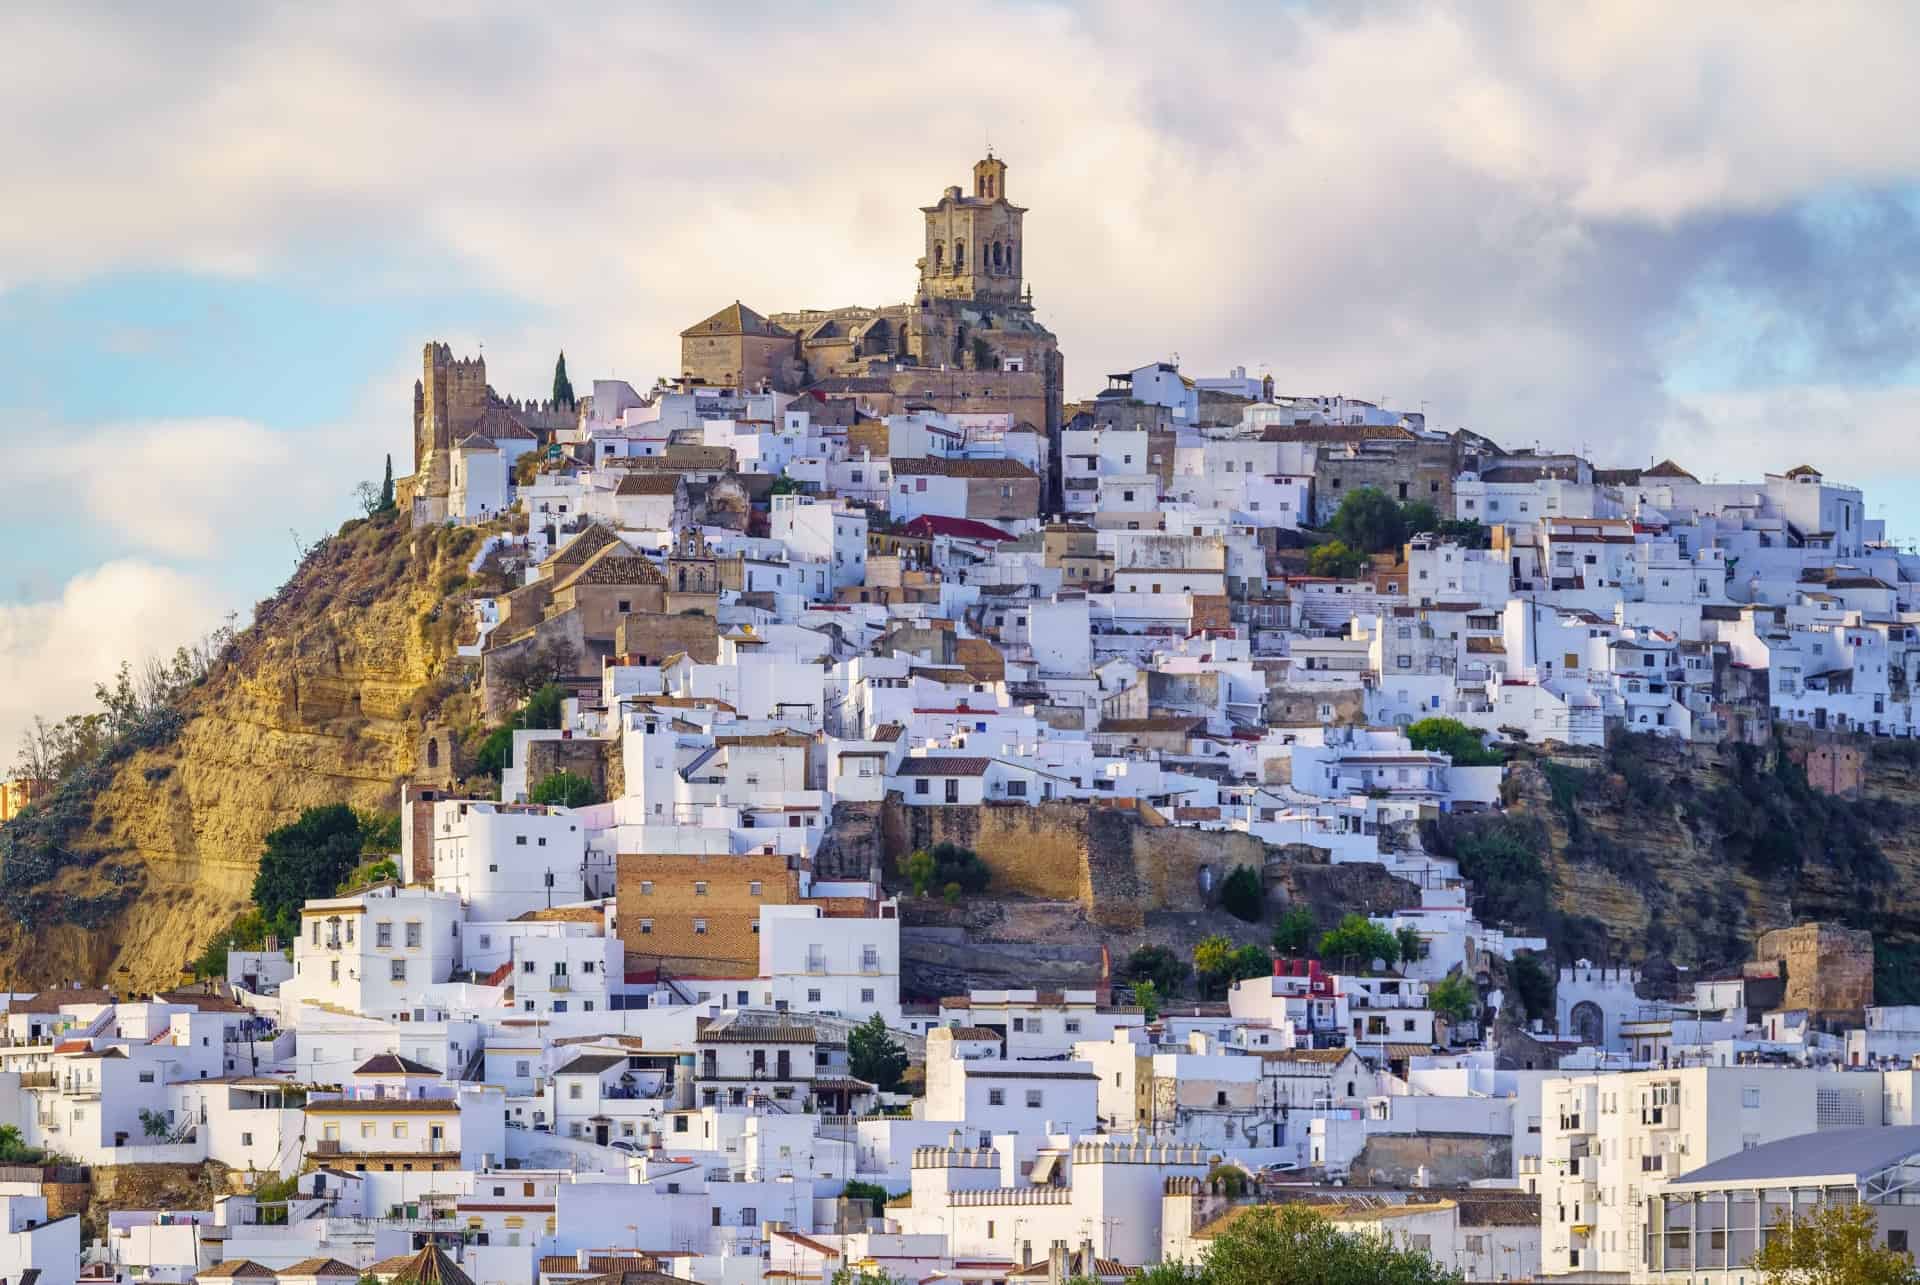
(322, 700)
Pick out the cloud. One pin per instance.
(1505, 210)
(53, 651)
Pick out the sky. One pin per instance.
(1640, 230)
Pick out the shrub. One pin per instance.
(1155, 965)
(1296, 931)
(564, 789)
(1359, 940)
(1242, 896)
(1452, 737)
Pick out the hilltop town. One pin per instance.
(867, 813)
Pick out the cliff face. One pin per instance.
(1652, 851)
(323, 700)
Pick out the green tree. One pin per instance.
(306, 859)
(920, 868)
(1412, 944)
(564, 789)
(13, 1146)
(495, 754)
(379, 832)
(1470, 534)
(1356, 942)
(1242, 895)
(1453, 997)
(386, 488)
(1295, 932)
(1146, 997)
(543, 709)
(1532, 981)
(1335, 560)
(1833, 1245)
(1292, 1245)
(1417, 517)
(875, 1056)
(562, 386)
(1219, 964)
(1369, 521)
(1156, 964)
(1453, 737)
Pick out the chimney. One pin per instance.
(1086, 1257)
(1058, 1273)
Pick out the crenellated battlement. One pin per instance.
(1139, 1153)
(1012, 1196)
(955, 1158)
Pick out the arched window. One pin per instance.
(433, 751)
(996, 256)
(959, 256)
(939, 254)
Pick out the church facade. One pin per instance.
(967, 342)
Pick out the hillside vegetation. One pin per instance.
(149, 849)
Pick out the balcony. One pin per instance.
(559, 982)
(326, 1147)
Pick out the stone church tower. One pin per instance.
(973, 247)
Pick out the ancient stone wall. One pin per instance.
(1829, 968)
(1450, 1159)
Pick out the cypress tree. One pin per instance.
(562, 386)
(386, 486)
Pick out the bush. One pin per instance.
(565, 790)
(1452, 737)
(1242, 895)
(1335, 560)
(1453, 997)
(872, 1192)
(1156, 965)
(1532, 981)
(495, 754)
(542, 709)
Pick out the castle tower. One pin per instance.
(448, 403)
(973, 242)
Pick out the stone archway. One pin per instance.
(1589, 1023)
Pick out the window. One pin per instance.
(1033, 1098)
(700, 888)
(866, 995)
(526, 966)
(646, 887)
(813, 997)
(398, 970)
(753, 888)
(399, 1128)
(919, 787)
(646, 926)
(519, 840)
(413, 934)
(996, 1097)
(522, 1068)
(1750, 1099)
(1897, 1239)
(382, 934)
(700, 928)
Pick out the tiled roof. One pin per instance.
(736, 319)
(920, 765)
(236, 1269)
(648, 484)
(593, 1064)
(51, 1001)
(393, 1064)
(961, 468)
(929, 524)
(431, 1266)
(320, 1267)
(616, 567)
(383, 1106)
(1306, 1057)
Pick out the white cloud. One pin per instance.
(52, 652)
